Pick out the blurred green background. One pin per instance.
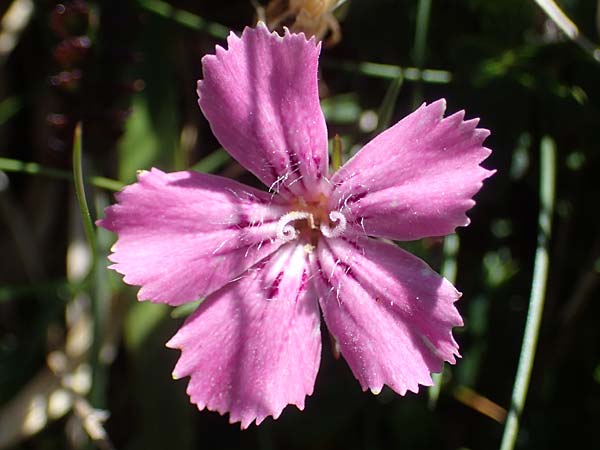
(72, 335)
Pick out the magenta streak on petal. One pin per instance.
(274, 288)
(416, 179)
(261, 99)
(254, 346)
(184, 235)
(390, 313)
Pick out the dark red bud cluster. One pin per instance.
(92, 52)
(72, 51)
(71, 22)
(70, 19)
(67, 79)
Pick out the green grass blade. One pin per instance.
(84, 210)
(186, 309)
(15, 165)
(538, 293)
(212, 162)
(185, 18)
(9, 107)
(562, 21)
(390, 72)
(420, 47)
(337, 153)
(12, 292)
(449, 270)
(386, 110)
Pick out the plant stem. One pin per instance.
(86, 218)
(449, 269)
(538, 293)
(9, 107)
(390, 71)
(337, 153)
(567, 26)
(422, 28)
(185, 18)
(386, 110)
(212, 162)
(14, 165)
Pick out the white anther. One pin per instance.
(285, 230)
(340, 225)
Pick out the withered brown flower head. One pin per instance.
(311, 17)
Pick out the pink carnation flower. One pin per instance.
(268, 261)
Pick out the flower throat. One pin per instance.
(308, 221)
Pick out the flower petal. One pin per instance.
(391, 315)
(261, 99)
(416, 179)
(184, 235)
(254, 346)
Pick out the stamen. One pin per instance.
(285, 231)
(340, 220)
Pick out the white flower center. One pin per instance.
(334, 227)
(285, 230)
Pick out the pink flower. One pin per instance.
(267, 261)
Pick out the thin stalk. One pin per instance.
(422, 28)
(185, 310)
(336, 154)
(386, 110)
(449, 270)
(390, 71)
(9, 107)
(14, 165)
(538, 293)
(98, 311)
(479, 403)
(64, 287)
(100, 295)
(86, 218)
(567, 26)
(449, 266)
(212, 162)
(185, 18)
